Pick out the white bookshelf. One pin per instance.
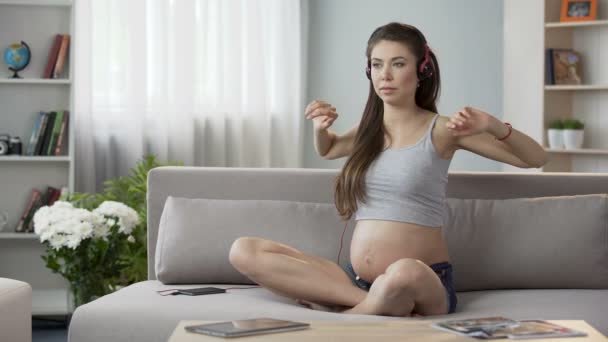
(13, 159)
(557, 25)
(578, 151)
(57, 3)
(531, 27)
(26, 236)
(32, 81)
(576, 87)
(36, 22)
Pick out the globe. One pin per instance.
(17, 56)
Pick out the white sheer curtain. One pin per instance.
(205, 82)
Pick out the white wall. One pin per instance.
(466, 35)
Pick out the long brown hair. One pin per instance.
(369, 141)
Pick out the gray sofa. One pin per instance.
(525, 246)
(15, 311)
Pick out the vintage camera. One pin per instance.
(10, 145)
(4, 144)
(15, 146)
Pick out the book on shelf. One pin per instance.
(62, 139)
(35, 134)
(37, 200)
(562, 67)
(49, 134)
(52, 57)
(549, 77)
(62, 56)
(50, 151)
(40, 138)
(28, 225)
(57, 56)
(489, 328)
(22, 224)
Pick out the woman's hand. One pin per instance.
(322, 114)
(470, 121)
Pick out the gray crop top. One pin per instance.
(407, 185)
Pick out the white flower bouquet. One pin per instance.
(88, 248)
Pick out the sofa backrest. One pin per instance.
(316, 185)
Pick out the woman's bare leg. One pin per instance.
(291, 273)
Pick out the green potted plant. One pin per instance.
(555, 135)
(573, 134)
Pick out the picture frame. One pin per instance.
(578, 10)
(566, 65)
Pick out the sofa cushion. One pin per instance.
(195, 235)
(546, 242)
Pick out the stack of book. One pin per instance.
(37, 200)
(57, 58)
(49, 135)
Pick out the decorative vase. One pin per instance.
(556, 138)
(573, 138)
(78, 296)
(85, 291)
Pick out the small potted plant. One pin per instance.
(573, 134)
(555, 135)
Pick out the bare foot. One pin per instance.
(383, 300)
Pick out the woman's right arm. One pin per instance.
(328, 144)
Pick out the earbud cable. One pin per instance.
(341, 239)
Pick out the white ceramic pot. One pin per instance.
(573, 138)
(556, 138)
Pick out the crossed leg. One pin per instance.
(407, 285)
(291, 273)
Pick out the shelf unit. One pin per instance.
(35, 22)
(551, 25)
(530, 28)
(576, 87)
(35, 81)
(35, 159)
(578, 151)
(25, 236)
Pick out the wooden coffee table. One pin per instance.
(353, 331)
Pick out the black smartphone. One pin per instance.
(200, 291)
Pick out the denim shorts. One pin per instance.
(442, 269)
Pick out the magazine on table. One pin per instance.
(489, 328)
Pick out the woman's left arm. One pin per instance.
(478, 132)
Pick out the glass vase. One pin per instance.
(84, 292)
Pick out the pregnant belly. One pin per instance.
(377, 244)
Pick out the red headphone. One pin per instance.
(425, 68)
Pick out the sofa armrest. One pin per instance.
(15, 310)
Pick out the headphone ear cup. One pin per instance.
(424, 72)
(425, 69)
